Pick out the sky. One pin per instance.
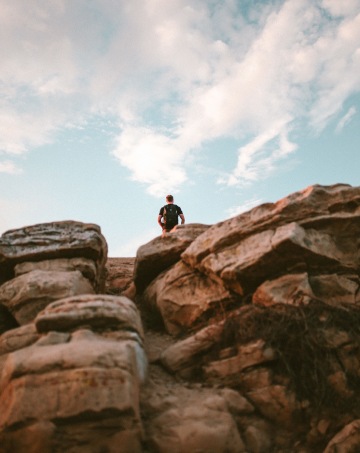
(107, 106)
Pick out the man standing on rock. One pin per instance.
(169, 215)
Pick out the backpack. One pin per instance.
(170, 215)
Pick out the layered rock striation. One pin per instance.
(71, 360)
(239, 337)
(267, 304)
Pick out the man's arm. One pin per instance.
(159, 221)
(182, 217)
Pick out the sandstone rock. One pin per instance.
(250, 355)
(184, 353)
(52, 338)
(84, 379)
(347, 440)
(311, 203)
(34, 438)
(25, 296)
(162, 252)
(100, 312)
(18, 338)
(85, 266)
(292, 247)
(200, 427)
(106, 434)
(120, 276)
(300, 289)
(276, 403)
(292, 289)
(236, 403)
(184, 297)
(256, 378)
(336, 289)
(66, 239)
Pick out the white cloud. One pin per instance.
(153, 159)
(346, 119)
(176, 75)
(341, 8)
(338, 69)
(7, 166)
(256, 160)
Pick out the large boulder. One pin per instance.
(72, 379)
(291, 252)
(70, 384)
(86, 266)
(100, 312)
(184, 298)
(314, 205)
(316, 244)
(162, 252)
(54, 240)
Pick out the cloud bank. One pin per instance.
(176, 75)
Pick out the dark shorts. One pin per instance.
(167, 229)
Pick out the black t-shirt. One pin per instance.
(178, 210)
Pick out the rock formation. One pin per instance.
(267, 304)
(240, 337)
(71, 361)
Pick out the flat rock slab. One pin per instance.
(85, 266)
(66, 239)
(96, 311)
(314, 202)
(162, 252)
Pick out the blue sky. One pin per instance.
(107, 106)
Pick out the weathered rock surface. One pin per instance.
(120, 277)
(28, 294)
(288, 340)
(54, 240)
(70, 377)
(86, 360)
(162, 252)
(184, 297)
(85, 266)
(310, 207)
(258, 350)
(99, 312)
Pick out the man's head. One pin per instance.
(169, 198)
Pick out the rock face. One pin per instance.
(255, 348)
(268, 303)
(162, 252)
(71, 361)
(120, 277)
(55, 241)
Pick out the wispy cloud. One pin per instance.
(8, 166)
(346, 119)
(175, 75)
